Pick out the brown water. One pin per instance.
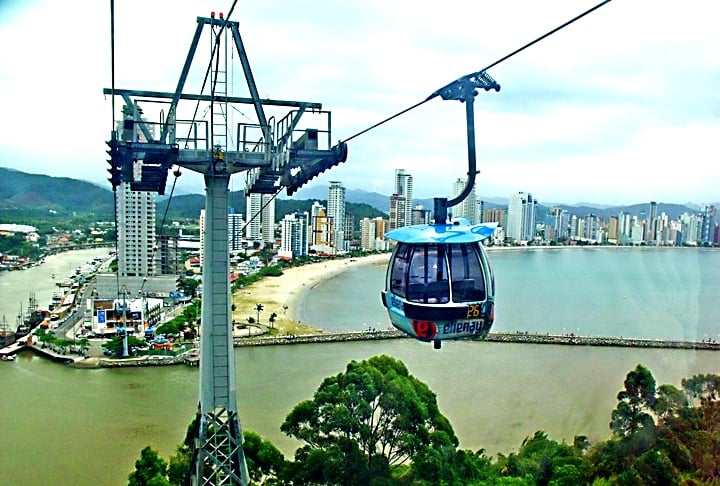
(66, 426)
(86, 427)
(16, 286)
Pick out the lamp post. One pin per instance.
(93, 295)
(125, 353)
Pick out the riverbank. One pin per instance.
(282, 295)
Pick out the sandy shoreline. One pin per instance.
(282, 294)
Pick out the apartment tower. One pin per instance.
(404, 188)
(137, 255)
(336, 213)
(521, 217)
(260, 212)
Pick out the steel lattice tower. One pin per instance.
(275, 155)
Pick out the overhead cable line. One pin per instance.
(475, 74)
(114, 135)
(259, 211)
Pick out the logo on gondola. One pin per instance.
(425, 330)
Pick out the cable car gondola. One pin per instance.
(439, 283)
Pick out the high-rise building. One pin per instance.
(592, 228)
(404, 187)
(495, 215)
(235, 226)
(137, 255)
(235, 230)
(420, 215)
(294, 235)
(336, 213)
(349, 230)
(558, 222)
(480, 211)
(708, 213)
(260, 212)
(320, 226)
(691, 229)
(468, 207)
(372, 234)
(521, 217)
(398, 206)
(652, 223)
(367, 233)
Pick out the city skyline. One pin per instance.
(582, 117)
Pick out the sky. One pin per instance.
(621, 107)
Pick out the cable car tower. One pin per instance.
(275, 153)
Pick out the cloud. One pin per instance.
(623, 104)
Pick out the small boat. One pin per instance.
(8, 357)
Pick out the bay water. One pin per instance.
(61, 425)
(647, 293)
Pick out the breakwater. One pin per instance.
(333, 337)
(191, 357)
(572, 340)
(518, 337)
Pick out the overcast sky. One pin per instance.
(622, 106)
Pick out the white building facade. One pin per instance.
(336, 213)
(404, 188)
(137, 255)
(521, 217)
(468, 207)
(260, 212)
(294, 235)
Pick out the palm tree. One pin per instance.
(271, 319)
(259, 308)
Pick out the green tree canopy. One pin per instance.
(375, 408)
(189, 286)
(150, 470)
(634, 403)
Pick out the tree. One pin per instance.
(669, 402)
(115, 345)
(264, 460)
(189, 286)
(150, 470)
(191, 312)
(702, 388)
(259, 308)
(634, 403)
(271, 319)
(375, 404)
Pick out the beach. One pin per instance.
(282, 294)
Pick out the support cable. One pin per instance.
(504, 58)
(260, 210)
(112, 101)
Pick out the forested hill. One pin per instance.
(37, 195)
(25, 198)
(189, 206)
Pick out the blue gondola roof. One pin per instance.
(457, 231)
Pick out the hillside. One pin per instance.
(39, 195)
(26, 197)
(189, 206)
